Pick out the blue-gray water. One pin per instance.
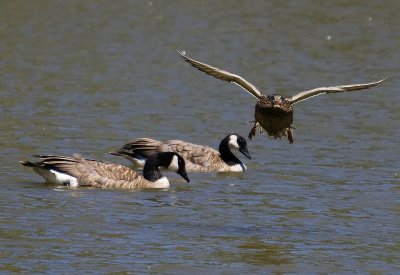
(87, 76)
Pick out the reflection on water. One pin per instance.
(256, 252)
(85, 77)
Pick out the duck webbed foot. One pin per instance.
(253, 131)
(290, 135)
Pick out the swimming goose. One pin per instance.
(198, 158)
(273, 113)
(77, 171)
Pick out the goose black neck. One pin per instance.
(151, 171)
(226, 154)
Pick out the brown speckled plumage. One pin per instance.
(198, 158)
(273, 113)
(91, 172)
(275, 121)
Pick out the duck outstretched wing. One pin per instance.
(223, 75)
(332, 89)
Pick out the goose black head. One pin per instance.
(236, 141)
(173, 162)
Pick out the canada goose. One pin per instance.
(77, 171)
(273, 113)
(198, 158)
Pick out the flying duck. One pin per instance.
(198, 158)
(77, 171)
(273, 113)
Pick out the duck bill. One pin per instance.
(245, 152)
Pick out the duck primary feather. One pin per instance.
(273, 113)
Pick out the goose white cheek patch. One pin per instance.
(233, 143)
(174, 166)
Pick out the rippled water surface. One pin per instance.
(87, 76)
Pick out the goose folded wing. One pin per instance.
(105, 175)
(194, 153)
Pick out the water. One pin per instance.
(88, 76)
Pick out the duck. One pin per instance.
(78, 171)
(198, 158)
(273, 113)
